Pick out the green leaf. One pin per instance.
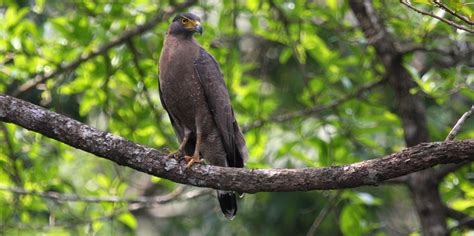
(426, 2)
(462, 204)
(128, 219)
(316, 47)
(332, 4)
(13, 16)
(351, 219)
(285, 55)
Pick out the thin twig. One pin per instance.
(63, 197)
(323, 213)
(12, 156)
(457, 127)
(312, 110)
(146, 92)
(109, 72)
(67, 225)
(286, 28)
(464, 220)
(441, 172)
(399, 180)
(43, 76)
(404, 49)
(446, 8)
(115, 213)
(404, 2)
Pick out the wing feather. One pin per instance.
(218, 100)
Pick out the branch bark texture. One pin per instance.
(155, 162)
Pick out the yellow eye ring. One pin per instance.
(184, 20)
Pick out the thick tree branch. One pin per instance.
(155, 162)
(123, 38)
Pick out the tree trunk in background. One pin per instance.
(428, 204)
(411, 110)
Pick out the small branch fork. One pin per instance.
(457, 127)
(441, 172)
(444, 7)
(450, 11)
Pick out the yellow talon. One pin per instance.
(191, 160)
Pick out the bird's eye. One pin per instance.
(184, 20)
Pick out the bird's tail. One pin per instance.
(228, 203)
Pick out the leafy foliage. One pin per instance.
(278, 57)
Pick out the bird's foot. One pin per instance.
(191, 160)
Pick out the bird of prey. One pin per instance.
(193, 92)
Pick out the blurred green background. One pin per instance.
(278, 58)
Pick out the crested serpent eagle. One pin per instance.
(193, 92)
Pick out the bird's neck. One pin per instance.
(177, 46)
(181, 35)
(173, 40)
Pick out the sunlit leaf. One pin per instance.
(128, 219)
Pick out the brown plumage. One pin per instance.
(193, 92)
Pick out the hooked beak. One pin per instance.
(198, 27)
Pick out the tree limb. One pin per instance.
(155, 162)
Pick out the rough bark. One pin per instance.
(411, 109)
(155, 162)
